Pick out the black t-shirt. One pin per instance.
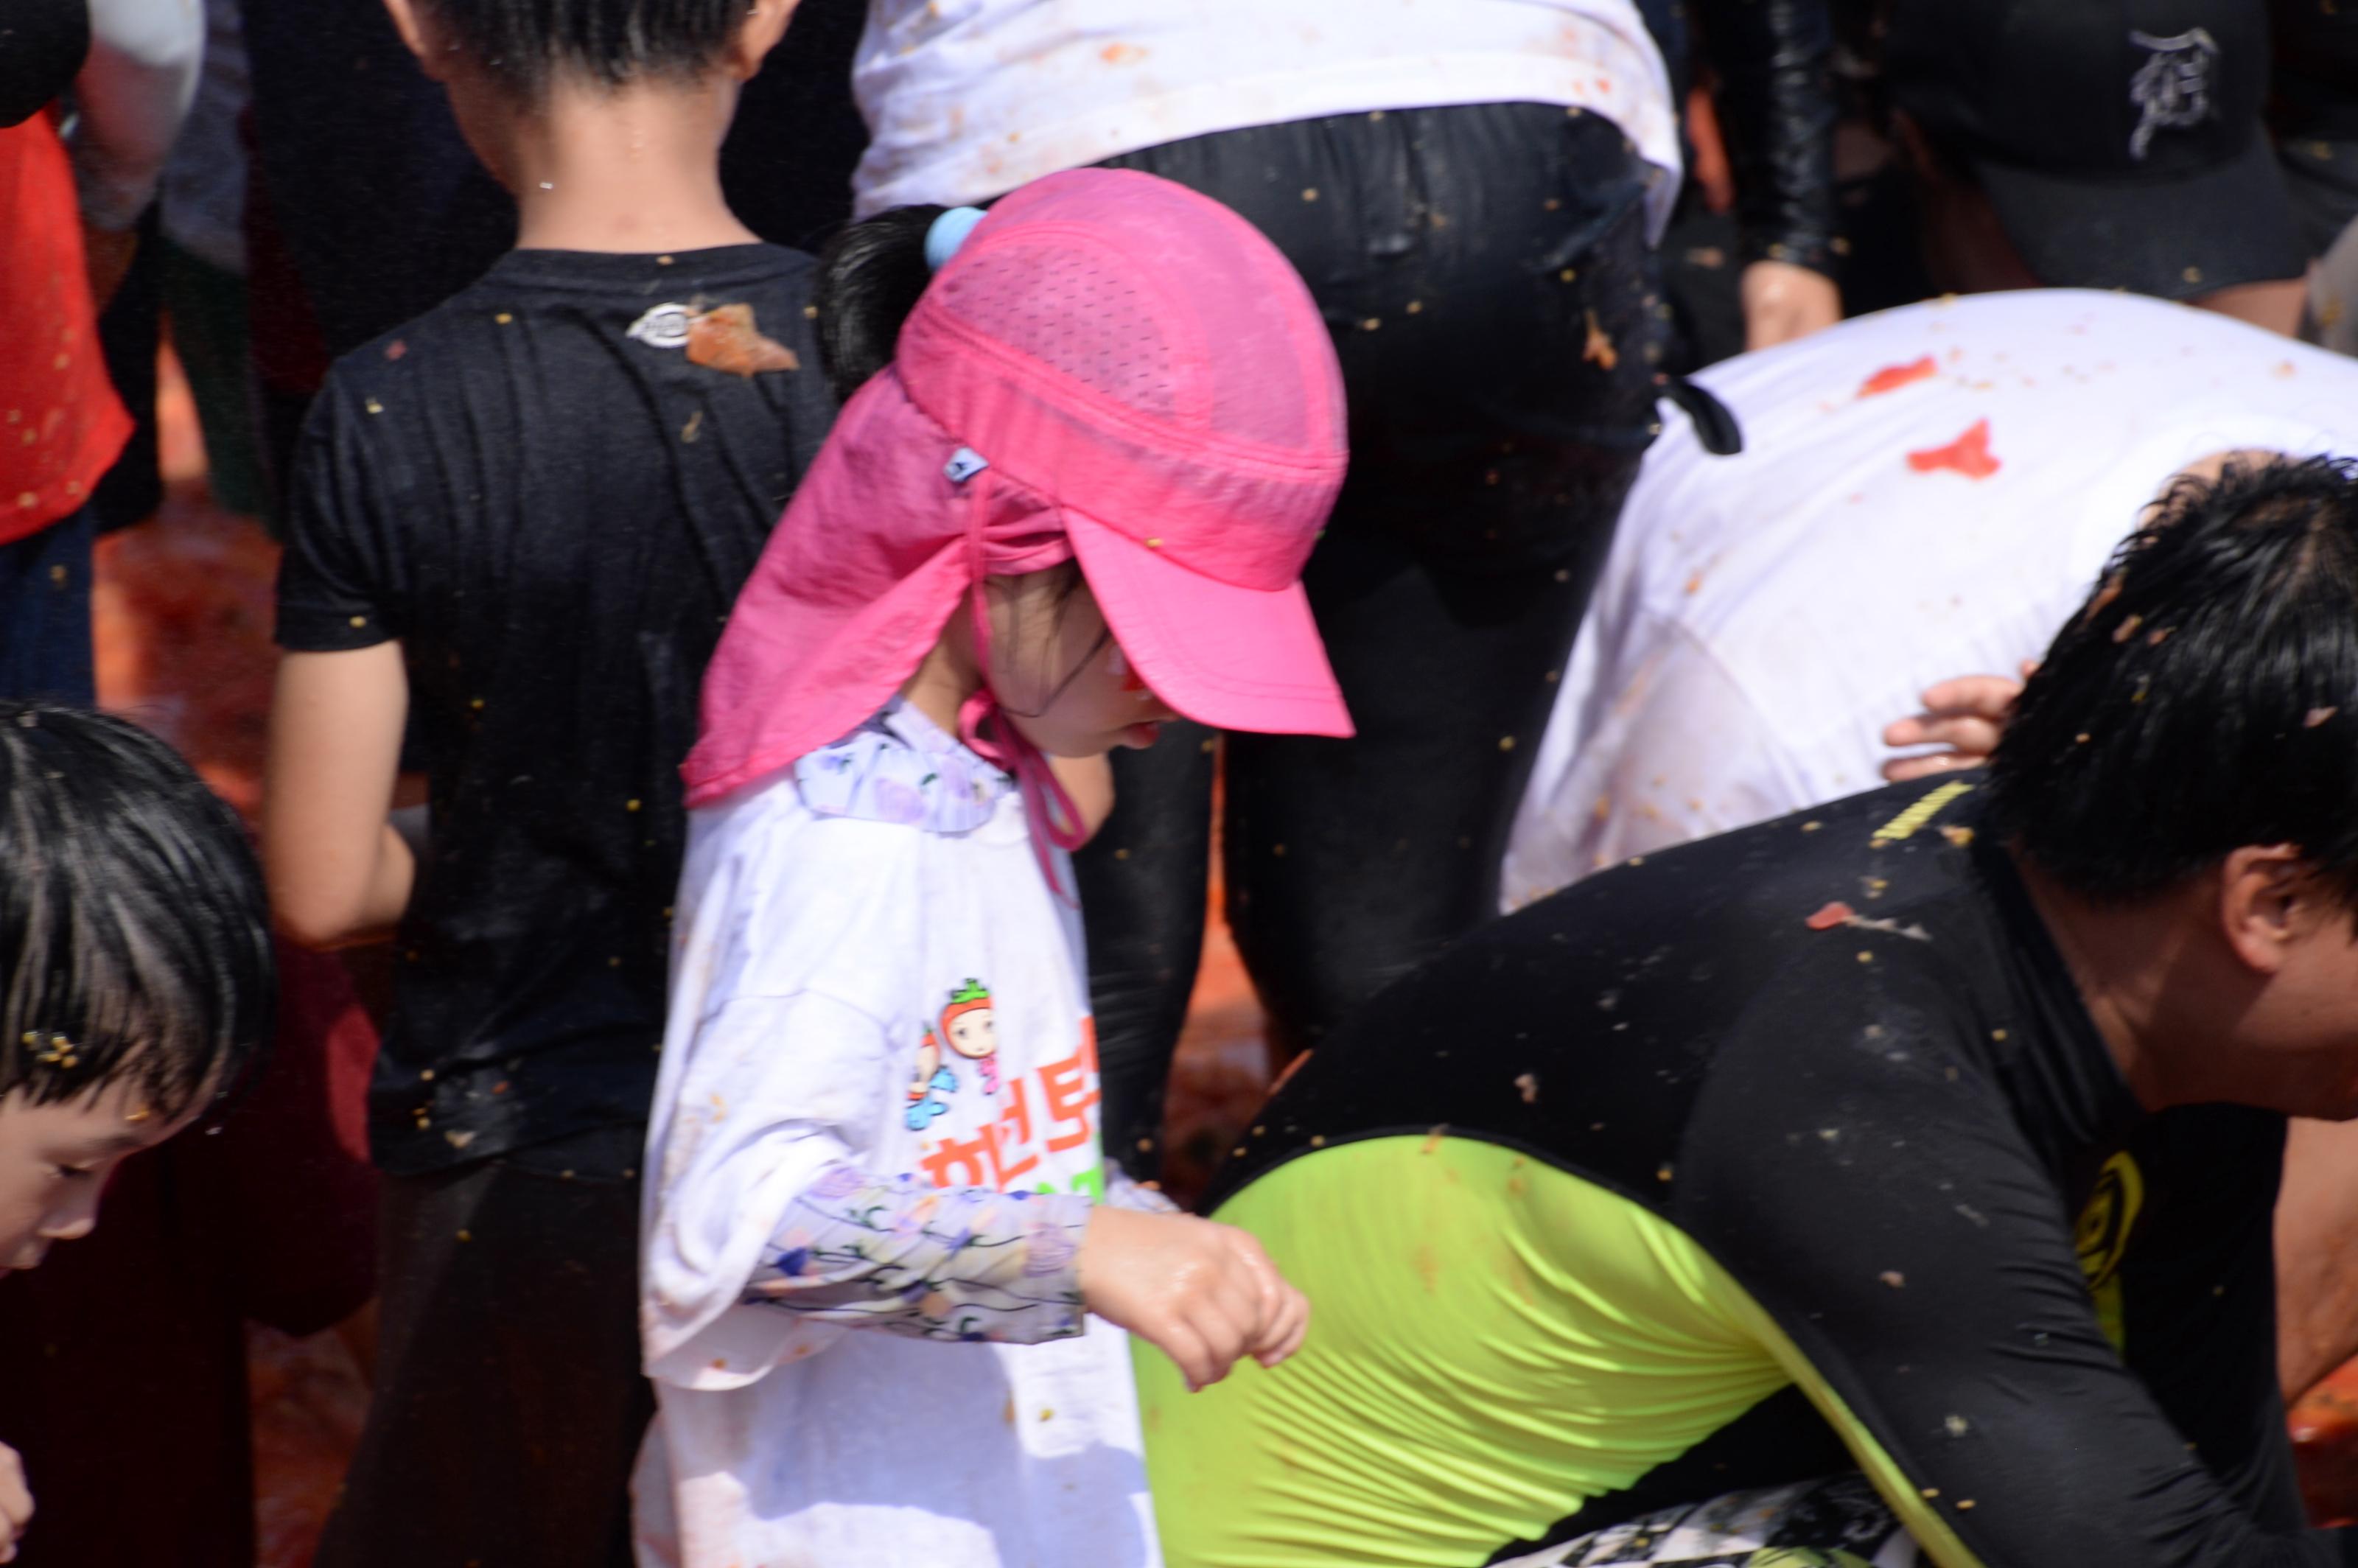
(1839, 1053)
(553, 513)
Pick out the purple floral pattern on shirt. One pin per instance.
(902, 767)
(899, 1254)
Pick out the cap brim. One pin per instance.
(1235, 659)
(2175, 238)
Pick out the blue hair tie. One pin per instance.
(948, 233)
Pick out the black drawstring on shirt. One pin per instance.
(1714, 426)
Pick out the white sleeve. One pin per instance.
(769, 1093)
(131, 97)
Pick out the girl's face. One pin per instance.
(1059, 675)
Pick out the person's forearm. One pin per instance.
(391, 881)
(954, 1263)
(130, 98)
(376, 914)
(340, 872)
(1775, 58)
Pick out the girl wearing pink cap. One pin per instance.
(1076, 503)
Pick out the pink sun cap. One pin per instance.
(1149, 387)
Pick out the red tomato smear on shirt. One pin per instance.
(1969, 455)
(1890, 378)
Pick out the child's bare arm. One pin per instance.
(339, 872)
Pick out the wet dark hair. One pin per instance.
(2206, 696)
(526, 44)
(135, 934)
(870, 275)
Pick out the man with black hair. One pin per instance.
(1762, 618)
(517, 525)
(1759, 1159)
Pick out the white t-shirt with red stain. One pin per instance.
(884, 984)
(967, 99)
(1923, 493)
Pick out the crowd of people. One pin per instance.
(1759, 601)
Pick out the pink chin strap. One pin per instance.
(987, 729)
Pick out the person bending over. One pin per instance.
(1932, 1132)
(1758, 623)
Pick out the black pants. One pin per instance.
(509, 1405)
(1495, 309)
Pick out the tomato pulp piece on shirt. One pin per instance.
(1969, 455)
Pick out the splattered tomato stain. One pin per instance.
(1121, 54)
(1969, 455)
(725, 338)
(1599, 351)
(1891, 378)
(1832, 915)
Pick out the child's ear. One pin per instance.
(765, 24)
(420, 32)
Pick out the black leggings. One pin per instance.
(1495, 304)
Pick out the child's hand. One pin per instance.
(1202, 1293)
(16, 1502)
(1965, 715)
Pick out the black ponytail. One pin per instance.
(870, 275)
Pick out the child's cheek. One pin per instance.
(1127, 671)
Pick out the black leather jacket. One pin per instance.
(1774, 58)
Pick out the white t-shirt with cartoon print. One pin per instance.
(879, 1026)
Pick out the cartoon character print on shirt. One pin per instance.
(929, 1083)
(1034, 1121)
(969, 1027)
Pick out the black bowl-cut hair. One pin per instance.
(134, 932)
(2206, 696)
(527, 44)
